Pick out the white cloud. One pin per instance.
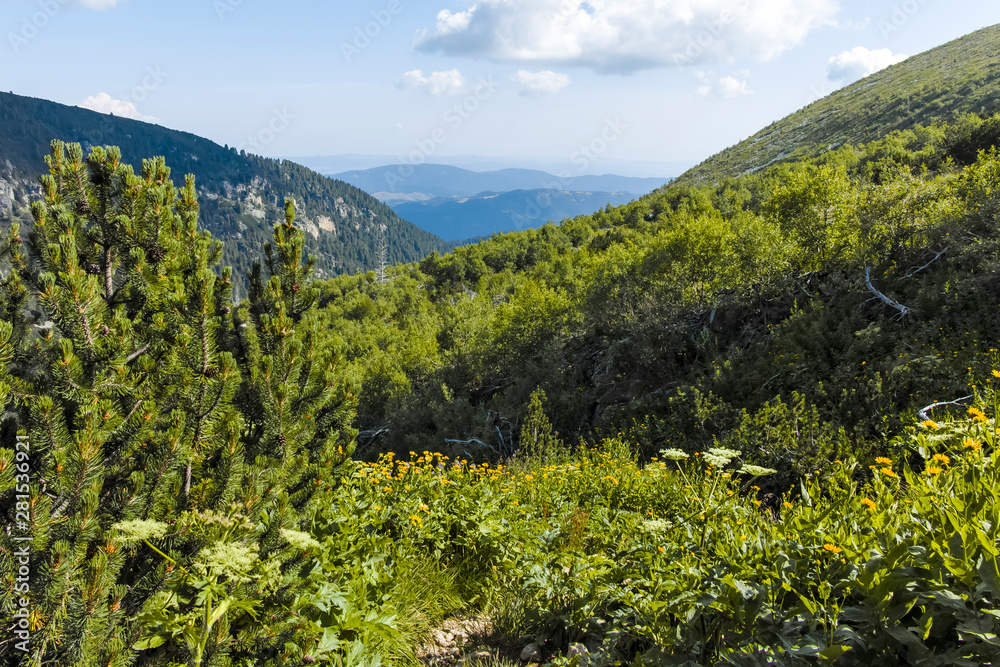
(545, 82)
(728, 87)
(450, 82)
(98, 5)
(104, 103)
(626, 35)
(860, 62)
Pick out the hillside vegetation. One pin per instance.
(938, 86)
(751, 487)
(733, 313)
(750, 422)
(241, 193)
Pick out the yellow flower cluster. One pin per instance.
(977, 415)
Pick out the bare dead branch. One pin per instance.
(958, 401)
(919, 269)
(471, 441)
(138, 353)
(903, 310)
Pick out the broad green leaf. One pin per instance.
(151, 641)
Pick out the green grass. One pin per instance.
(937, 86)
(686, 560)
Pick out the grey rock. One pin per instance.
(531, 653)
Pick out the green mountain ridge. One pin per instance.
(937, 86)
(241, 194)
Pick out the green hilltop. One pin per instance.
(241, 194)
(939, 85)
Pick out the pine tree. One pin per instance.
(149, 402)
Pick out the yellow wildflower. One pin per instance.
(977, 414)
(888, 472)
(927, 423)
(883, 460)
(787, 505)
(933, 470)
(870, 504)
(969, 443)
(941, 458)
(832, 548)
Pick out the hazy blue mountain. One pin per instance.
(486, 213)
(241, 194)
(405, 183)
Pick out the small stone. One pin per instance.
(531, 653)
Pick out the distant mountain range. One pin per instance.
(241, 194)
(459, 204)
(347, 162)
(406, 183)
(940, 85)
(460, 218)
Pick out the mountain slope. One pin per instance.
(397, 182)
(458, 218)
(939, 85)
(241, 194)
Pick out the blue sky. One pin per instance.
(596, 86)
